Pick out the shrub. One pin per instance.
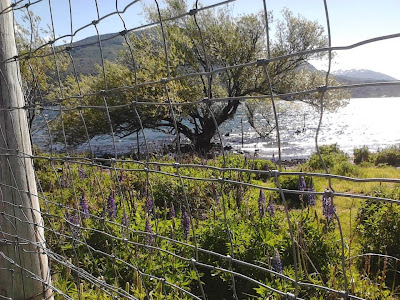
(379, 232)
(292, 183)
(331, 154)
(361, 155)
(390, 156)
(345, 168)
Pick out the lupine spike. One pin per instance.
(261, 204)
(239, 196)
(111, 206)
(148, 229)
(217, 199)
(172, 213)
(311, 197)
(302, 183)
(273, 159)
(271, 208)
(81, 173)
(84, 206)
(276, 262)
(185, 223)
(328, 208)
(125, 219)
(74, 225)
(149, 205)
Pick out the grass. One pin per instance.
(254, 237)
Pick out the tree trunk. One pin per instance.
(203, 140)
(24, 272)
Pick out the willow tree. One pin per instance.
(215, 39)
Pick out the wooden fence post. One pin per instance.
(24, 272)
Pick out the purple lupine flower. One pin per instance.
(271, 208)
(273, 159)
(64, 182)
(239, 196)
(311, 197)
(261, 204)
(217, 199)
(73, 223)
(81, 173)
(121, 177)
(84, 206)
(148, 207)
(172, 213)
(148, 229)
(276, 262)
(302, 183)
(185, 223)
(111, 206)
(328, 208)
(125, 219)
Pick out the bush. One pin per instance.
(345, 168)
(379, 232)
(292, 183)
(331, 154)
(389, 156)
(361, 155)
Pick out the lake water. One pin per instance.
(373, 122)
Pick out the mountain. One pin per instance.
(363, 74)
(86, 54)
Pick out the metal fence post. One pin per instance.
(24, 272)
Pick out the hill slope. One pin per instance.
(86, 54)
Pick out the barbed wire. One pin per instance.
(94, 240)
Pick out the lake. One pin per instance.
(373, 122)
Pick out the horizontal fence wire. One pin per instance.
(166, 224)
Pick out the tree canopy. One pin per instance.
(213, 39)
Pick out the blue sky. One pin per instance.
(351, 21)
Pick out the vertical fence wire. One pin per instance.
(98, 211)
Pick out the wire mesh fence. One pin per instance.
(155, 221)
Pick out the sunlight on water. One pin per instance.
(364, 121)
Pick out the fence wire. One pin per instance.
(152, 226)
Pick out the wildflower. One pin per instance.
(148, 205)
(81, 173)
(311, 197)
(271, 208)
(64, 182)
(84, 206)
(261, 204)
(217, 198)
(125, 219)
(185, 223)
(276, 262)
(302, 183)
(111, 206)
(328, 208)
(172, 213)
(121, 177)
(74, 225)
(148, 229)
(239, 196)
(273, 159)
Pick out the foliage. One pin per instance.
(40, 68)
(196, 45)
(361, 155)
(335, 160)
(379, 231)
(119, 245)
(390, 156)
